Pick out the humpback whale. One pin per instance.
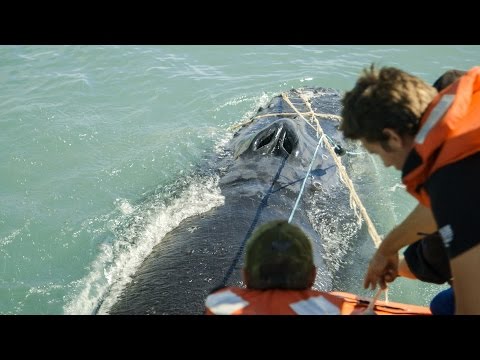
(260, 178)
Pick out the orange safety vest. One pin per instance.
(449, 131)
(238, 301)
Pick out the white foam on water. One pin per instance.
(118, 261)
(9, 238)
(125, 206)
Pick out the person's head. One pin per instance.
(279, 256)
(383, 111)
(448, 78)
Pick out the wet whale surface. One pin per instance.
(260, 180)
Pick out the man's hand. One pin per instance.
(382, 269)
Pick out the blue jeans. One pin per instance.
(443, 303)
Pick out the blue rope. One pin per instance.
(263, 205)
(305, 180)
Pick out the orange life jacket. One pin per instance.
(238, 301)
(449, 131)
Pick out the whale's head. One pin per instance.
(282, 140)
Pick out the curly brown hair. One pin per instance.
(385, 98)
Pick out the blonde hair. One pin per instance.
(385, 98)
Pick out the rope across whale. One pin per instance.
(355, 202)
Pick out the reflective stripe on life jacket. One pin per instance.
(237, 301)
(225, 303)
(449, 131)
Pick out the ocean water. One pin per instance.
(100, 148)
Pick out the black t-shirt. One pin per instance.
(454, 192)
(428, 260)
